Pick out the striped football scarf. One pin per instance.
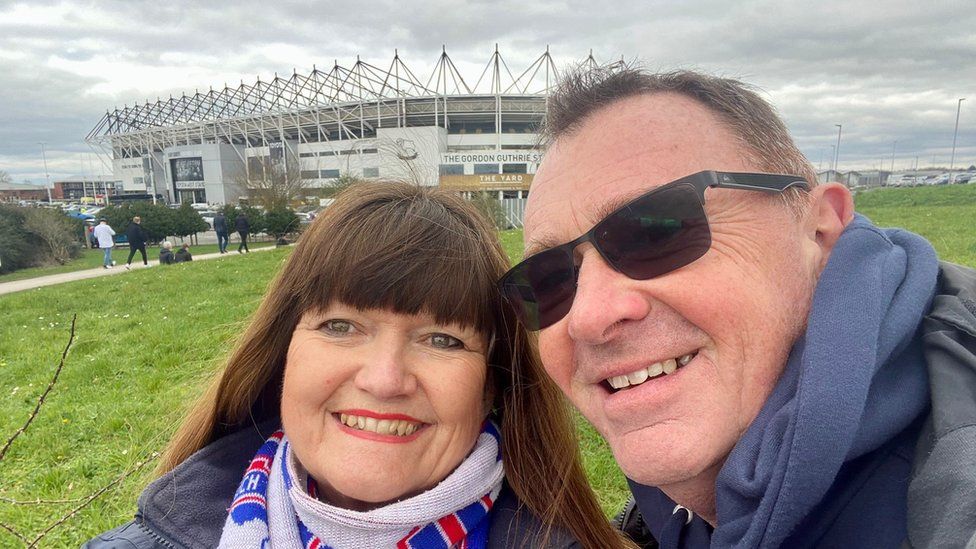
(277, 505)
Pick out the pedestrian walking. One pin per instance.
(220, 227)
(243, 228)
(104, 233)
(137, 241)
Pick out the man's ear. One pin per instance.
(831, 209)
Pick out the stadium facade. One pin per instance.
(363, 121)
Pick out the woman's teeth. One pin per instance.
(398, 427)
(666, 367)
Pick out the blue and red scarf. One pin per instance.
(277, 505)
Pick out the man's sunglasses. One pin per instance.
(656, 233)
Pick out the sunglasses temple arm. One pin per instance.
(768, 183)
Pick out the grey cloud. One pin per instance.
(887, 73)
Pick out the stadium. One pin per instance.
(362, 121)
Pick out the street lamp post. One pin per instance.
(46, 174)
(952, 158)
(893, 145)
(837, 150)
(830, 170)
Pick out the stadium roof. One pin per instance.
(361, 83)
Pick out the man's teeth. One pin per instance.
(398, 427)
(654, 370)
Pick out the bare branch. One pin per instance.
(40, 401)
(87, 501)
(14, 532)
(12, 501)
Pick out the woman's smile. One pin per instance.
(392, 428)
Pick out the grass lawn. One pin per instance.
(92, 259)
(146, 344)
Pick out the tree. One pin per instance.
(270, 184)
(488, 204)
(5, 178)
(188, 221)
(280, 221)
(341, 183)
(158, 221)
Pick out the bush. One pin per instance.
(32, 237)
(15, 241)
(280, 221)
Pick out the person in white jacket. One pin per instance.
(104, 233)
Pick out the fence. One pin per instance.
(514, 211)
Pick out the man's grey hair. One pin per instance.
(751, 118)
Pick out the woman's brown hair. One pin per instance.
(411, 249)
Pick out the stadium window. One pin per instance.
(451, 169)
(310, 174)
(307, 155)
(370, 151)
(514, 168)
(329, 174)
(510, 194)
(371, 172)
(327, 153)
(484, 169)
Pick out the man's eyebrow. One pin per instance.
(617, 202)
(540, 244)
(546, 241)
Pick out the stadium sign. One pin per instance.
(490, 157)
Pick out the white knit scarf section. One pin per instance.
(482, 472)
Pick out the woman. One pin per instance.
(412, 408)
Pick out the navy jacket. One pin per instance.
(220, 224)
(136, 235)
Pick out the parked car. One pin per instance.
(209, 216)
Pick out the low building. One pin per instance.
(99, 188)
(15, 192)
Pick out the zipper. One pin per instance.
(156, 537)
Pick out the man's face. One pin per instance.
(737, 310)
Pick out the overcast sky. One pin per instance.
(886, 71)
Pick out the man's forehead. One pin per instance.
(618, 154)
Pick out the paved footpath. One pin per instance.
(50, 280)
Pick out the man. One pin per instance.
(104, 233)
(759, 359)
(166, 256)
(220, 227)
(137, 241)
(243, 228)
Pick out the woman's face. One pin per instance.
(380, 406)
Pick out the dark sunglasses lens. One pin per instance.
(541, 288)
(656, 234)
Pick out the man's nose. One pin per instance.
(604, 299)
(385, 373)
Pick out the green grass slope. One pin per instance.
(147, 342)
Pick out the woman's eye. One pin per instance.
(338, 326)
(444, 341)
